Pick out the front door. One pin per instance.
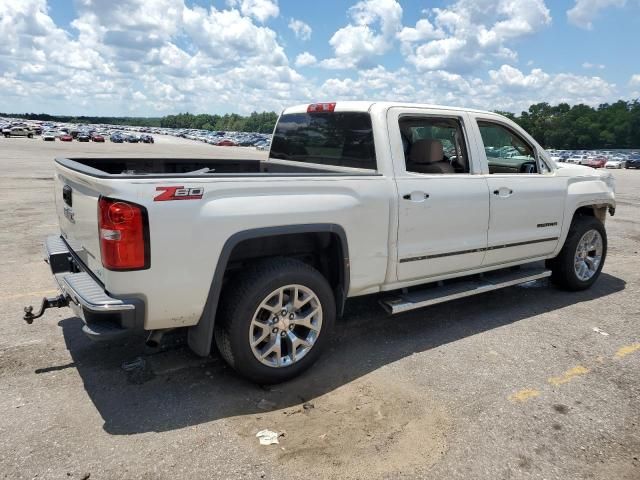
(443, 205)
(526, 198)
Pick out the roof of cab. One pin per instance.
(361, 106)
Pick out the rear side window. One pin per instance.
(433, 145)
(340, 139)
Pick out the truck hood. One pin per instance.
(573, 170)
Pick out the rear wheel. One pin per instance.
(581, 259)
(275, 319)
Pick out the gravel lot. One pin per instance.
(512, 384)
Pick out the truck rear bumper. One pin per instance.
(104, 316)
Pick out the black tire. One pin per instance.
(562, 267)
(30, 135)
(241, 298)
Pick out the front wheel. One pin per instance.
(275, 319)
(579, 263)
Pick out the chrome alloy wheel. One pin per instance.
(285, 326)
(588, 255)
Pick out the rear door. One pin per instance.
(443, 200)
(526, 197)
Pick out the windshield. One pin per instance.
(340, 139)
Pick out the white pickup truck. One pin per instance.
(417, 204)
(18, 131)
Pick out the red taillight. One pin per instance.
(124, 235)
(321, 107)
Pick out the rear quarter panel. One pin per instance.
(187, 236)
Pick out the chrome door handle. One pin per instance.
(416, 196)
(503, 192)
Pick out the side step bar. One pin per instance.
(464, 288)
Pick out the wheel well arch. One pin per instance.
(597, 211)
(323, 246)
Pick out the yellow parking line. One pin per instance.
(569, 375)
(627, 349)
(524, 395)
(30, 294)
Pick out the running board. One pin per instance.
(465, 288)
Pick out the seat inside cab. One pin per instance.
(433, 145)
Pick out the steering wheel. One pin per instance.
(528, 167)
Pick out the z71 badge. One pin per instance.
(178, 193)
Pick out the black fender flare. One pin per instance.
(200, 336)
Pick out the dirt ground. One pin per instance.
(511, 384)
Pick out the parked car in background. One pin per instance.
(576, 159)
(227, 143)
(633, 162)
(66, 137)
(144, 138)
(132, 139)
(17, 132)
(83, 137)
(597, 162)
(96, 137)
(615, 164)
(116, 137)
(49, 136)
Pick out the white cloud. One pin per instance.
(562, 87)
(300, 29)
(584, 12)
(145, 58)
(125, 55)
(261, 10)
(228, 37)
(589, 65)
(507, 88)
(374, 24)
(305, 59)
(424, 30)
(471, 33)
(635, 80)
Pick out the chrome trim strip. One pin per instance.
(477, 250)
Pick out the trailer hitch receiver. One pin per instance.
(47, 302)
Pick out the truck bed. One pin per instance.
(186, 167)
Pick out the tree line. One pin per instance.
(581, 127)
(256, 122)
(615, 125)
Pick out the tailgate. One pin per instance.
(76, 198)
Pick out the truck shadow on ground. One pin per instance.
(365, 340)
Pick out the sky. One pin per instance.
(158, 57)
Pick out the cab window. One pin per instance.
(433, 145)
(506, 151)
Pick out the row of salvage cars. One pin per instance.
(598, 159)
